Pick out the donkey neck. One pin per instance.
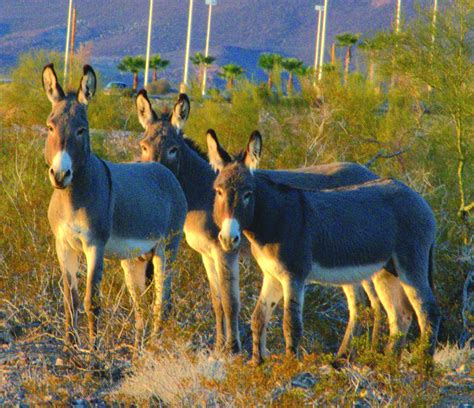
(277, 210)
(91, 177)
(196, 177)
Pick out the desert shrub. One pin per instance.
(159, 87)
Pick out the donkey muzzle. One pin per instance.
(229, 236)
(60, 179)
(60, 172)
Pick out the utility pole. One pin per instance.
(323, 40)
(319, 9)
(148, 45)
(188, 45)
(68, 33)
(210, 3)
(433, 21)
(397, 17)
(73, 41)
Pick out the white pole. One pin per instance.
(323, 40)
(148, 44)
(318, 37)
(433, 22)
(68, 34)
(208, 36)
(188, 44)
(397, 19)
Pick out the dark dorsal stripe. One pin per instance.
(282, 185)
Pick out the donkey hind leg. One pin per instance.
(353, 296)
(211, 271)
(397, 306)
(95, 268)
(227, 266)
(376, 307)
(68, 262)
(135, 277)
(270, 295)
(293, 295)
(418, 290)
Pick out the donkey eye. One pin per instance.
(173, 151)
(81, 131)
(50, 128)
(219, 192)
(246, 197)
(144, 148)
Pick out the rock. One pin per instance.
(304, 380)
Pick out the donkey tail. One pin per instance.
(431, 266)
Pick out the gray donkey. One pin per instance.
(132, 212)
(339, 236)
(164, 142)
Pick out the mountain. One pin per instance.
(241, 30)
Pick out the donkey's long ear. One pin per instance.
(218, 157)
(180, 112)
(146, 114)
(87, 86)
(254, 150)
(51, 86)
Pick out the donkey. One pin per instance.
(132, 212)
(164, 142)
(339, 236)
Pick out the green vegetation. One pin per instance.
(419, 130)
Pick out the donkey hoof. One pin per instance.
(256, 361)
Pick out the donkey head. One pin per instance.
(235, 185)
(67, 145)
(163, 141)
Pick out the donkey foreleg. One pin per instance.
(293, 294)
(270, 295)
(228, 275)
(135, 278)
(162, 282)
(95, 268)
(68, 262)
(211, 271)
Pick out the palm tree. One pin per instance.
(157, 64)
(230, 73)
(270, 63)
(370, 46)
(293, 66)
(201, 62)
(347, 40)
(133, 65)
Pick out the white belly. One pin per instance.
(342, 275)
(127, 248)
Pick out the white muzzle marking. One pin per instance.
(60, 173)
(230, 234)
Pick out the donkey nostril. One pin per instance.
(236, 239)
(67, 174)
(51, 171)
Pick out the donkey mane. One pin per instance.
(194, 146)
